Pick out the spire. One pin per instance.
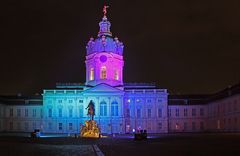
(104, 24)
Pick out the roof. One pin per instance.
(227, 92)
(201, 99)
(21, 100)
(187, 99)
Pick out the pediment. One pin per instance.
(103, 88)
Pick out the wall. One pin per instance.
(187, 118)
(224, 114)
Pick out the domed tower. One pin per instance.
(104, 59)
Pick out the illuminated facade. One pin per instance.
(120, 107)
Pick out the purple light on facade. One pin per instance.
(103, 58)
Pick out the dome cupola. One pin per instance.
(104, 41)
(104, 59)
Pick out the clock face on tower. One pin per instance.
(103, 58)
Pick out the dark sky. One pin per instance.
(186, 46)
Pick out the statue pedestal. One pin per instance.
(90, 130)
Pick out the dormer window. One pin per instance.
(103, 72)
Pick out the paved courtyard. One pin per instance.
(167, 144)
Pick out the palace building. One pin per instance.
(119, 107)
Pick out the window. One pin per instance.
(193, 112)
(70, 126)
(218, 124)
(81, 111)
(34, 125)
(11, 125)
(185, 126)
(185, 113)
(91, 74)
(49, 125)
(70, 101)
(201, 112)
(103, 73)
(160, 125)
(169, 112)
(49, 112)
(19, 126)
(80, 101)
(138, 113)
(177, 126)
(60, 112)
(149, 100)
(11, 112)
(103, 108)
(34, 112)
(177, 112)
(159, 112)
(149, 113)
(26, 112)
(59, 101)
(128, 113)
(18, 112)
(41, 113)
(70, 112)
(60, 126)
(201, 126)
(26, 125)
(235, 120)
(116, 76)
(193, 126)
(114, 108)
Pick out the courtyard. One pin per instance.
(164, 144)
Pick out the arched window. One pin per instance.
(103, 108)
(116, 75)
(91, 74)
(103, 73)
(114, 108)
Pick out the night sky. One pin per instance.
(186, 46)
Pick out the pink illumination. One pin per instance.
(104, 60)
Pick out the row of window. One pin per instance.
(147, 100)
(185, 126)
(61, 101)
(60, 126)
(103, 110)
(185, 112)
(26, 126)
(149, 113)
(224, 108)
(227, 123)
(25, 113)
(159, 112)
(103, 74)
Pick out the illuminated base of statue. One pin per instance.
(90, 130)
